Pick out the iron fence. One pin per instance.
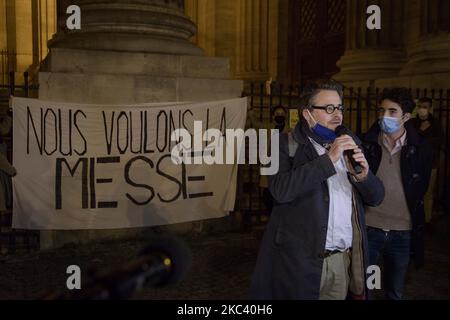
(360, 113)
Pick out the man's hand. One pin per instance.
(345, 142)
(339, 145)
(359, 157)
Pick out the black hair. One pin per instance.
(312, 89)
(426, 100)
(278, 107)
(401, 96)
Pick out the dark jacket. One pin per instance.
(289, 264)
(433, 135)
(415, 164)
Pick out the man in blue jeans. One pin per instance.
(402, 160)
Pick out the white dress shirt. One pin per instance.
(340, 230)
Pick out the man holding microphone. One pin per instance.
(315, 244)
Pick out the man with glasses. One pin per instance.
(402, 160)
(315, 243)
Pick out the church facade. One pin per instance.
(288, 41)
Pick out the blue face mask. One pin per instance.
(323, 132)
(389, 124)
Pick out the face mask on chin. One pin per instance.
(322, 131)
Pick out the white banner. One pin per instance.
(105, 167)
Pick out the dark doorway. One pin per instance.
(316, 38)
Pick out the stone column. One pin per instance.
(2, 25)
(130, 25)
(203, 14)
(35, 35)
(372, 54)
(11, 37)
(3, 43)
(19, 36)
(131, 51)
(283, 66)
(216, 27)
(257, 25)
(47, 25)
(429, 46)
(25, 26)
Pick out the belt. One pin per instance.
(328, 253)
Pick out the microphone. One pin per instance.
(164, 262)
(341, 130)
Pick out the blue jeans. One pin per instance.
(395, 247)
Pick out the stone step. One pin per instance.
(132, 89)
(135, 63)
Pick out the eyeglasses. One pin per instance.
(330, 108)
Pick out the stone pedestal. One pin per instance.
(412, 48)
(129, 52)
(111, 77)
(364, 66)
(428, 45)
(428, 65)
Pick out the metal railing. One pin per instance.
(361, 112)
(11, 88)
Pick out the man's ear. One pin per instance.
(406, 116)
(305, 115)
